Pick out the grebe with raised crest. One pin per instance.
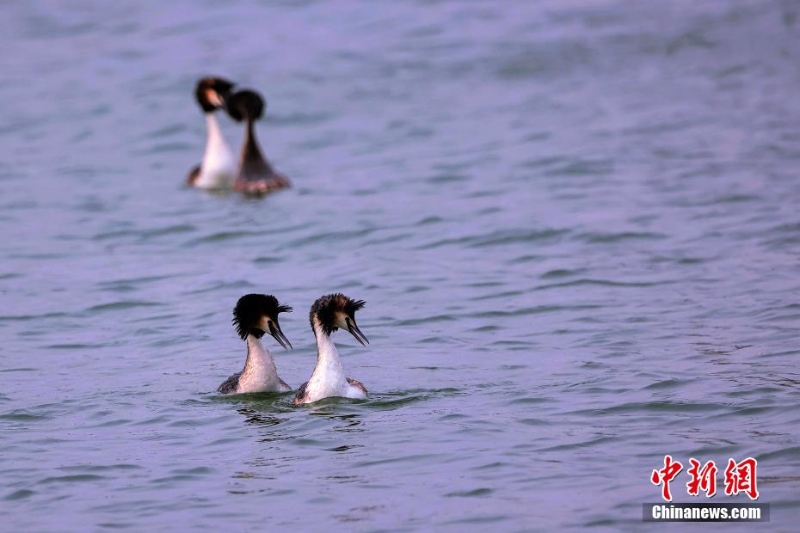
(328, 314)
(254, 315)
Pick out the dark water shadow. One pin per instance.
(387, 401)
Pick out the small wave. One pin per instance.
(166, 148)
(519, 236)
(378, 402)
(121, 306)
(527, 258)
(530, 401)
(20, 415)
(535, 310)
(606, 238)
(333, 236)
(448, 178)
(75, 478)
(166, 131)
(426, 320)
(736, 199)
(479, 519)
(561, 273)
(300, 118)
(412, 458)
(534, 422)
(474, 493)
(781, 456)
(345, 448)
(168, 230)
(585, 167)
(99, 468)
(389, 404)
(219, 237)
(383, 239)
(26, 318)
(500, 238)
(427, 221)
(111, 423)
(597, 441)
(666, 384)
(656, 406)
(494, 296)
(127, 282)
(264, 260)
(220, 285)
(543, 162)
(116, 234)
(20, 494)
(76, 346)
(602, 283)
(730, 71)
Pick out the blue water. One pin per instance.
(574, 223)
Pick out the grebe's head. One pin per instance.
(245, 105)
(211, 93)
(336, 311)
(256, 314)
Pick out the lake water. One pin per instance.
(575, 224)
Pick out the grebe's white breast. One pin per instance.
(218, 169)
(328, 378)
(259, 374)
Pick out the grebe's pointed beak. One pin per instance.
(355, 332)
(275, 331)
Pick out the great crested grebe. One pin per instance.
(218, 168)
(254, 315)
(255, 176)
(328, 314)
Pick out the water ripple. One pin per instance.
(121, 305)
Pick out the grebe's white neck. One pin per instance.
(328, 361)
(328, 378)
(219, 167)
(260, 373)
(215, 140)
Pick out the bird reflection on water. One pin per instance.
(258, 419)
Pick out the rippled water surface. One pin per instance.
(575, 225)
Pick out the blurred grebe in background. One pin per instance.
(255, 176)
(218, 168)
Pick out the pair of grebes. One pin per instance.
(257, 314)
(252, 175)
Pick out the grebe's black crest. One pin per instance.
(337, 310)
(212, 92)
(258, 313)
(245, 105)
